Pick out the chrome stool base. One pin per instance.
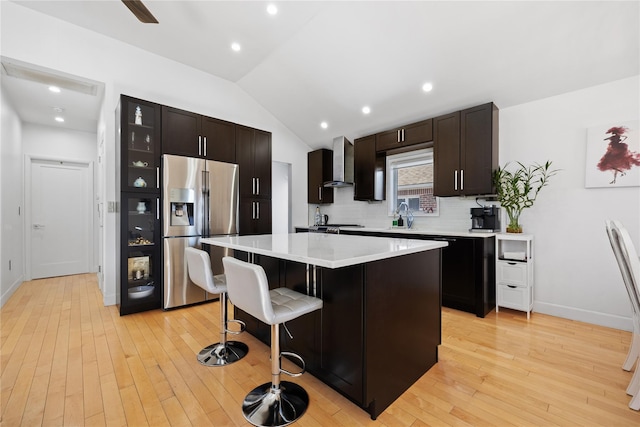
(267, 406)
(222, 354)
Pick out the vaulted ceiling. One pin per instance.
(323, 61)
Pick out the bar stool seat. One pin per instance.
(276, 403)
(223, 352)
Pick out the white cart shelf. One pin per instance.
(514, 272)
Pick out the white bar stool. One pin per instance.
(224, 352)
(277, 403)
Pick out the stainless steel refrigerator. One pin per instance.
(199, 199)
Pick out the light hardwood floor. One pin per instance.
(68, 360)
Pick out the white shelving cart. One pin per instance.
(514, 272)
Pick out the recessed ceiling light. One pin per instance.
(235, 47)
(272, 9)
(324, 125)
(366, 110)
(427, 87)
(54, 89)
(59, 119)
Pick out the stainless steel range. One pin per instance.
(330, 228)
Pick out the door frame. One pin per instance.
(29, 159)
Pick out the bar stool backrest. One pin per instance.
(199, 268)
(248, 289)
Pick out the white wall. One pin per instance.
(576, 275)
(39, 39)
(11, 201)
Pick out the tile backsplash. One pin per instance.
(454, 212)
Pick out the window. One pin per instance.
(410, 180)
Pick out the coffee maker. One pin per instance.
(485, 219)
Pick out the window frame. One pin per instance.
(406, 159)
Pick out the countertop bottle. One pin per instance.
(318, 217)
(400, 221)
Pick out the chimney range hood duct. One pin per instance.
(342, 163)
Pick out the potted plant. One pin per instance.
(518, 189)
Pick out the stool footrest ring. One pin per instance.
(243, 327)
(296, 356)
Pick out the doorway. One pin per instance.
(59, 217)
(281, 197)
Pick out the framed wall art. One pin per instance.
(613, 155)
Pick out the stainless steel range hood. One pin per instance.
(342, 163)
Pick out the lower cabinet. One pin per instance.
(255, 216)
(373, 313)
(468, 270)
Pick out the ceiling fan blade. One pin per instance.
(141, 11)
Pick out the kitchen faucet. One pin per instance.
(409, 214)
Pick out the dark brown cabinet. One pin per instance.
(465, 151)
(415, 133)
(253, 155)
(255, 216)
(319, 171)
(369, 170)
(189, 134)
(139, 154)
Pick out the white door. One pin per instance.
(60, 218)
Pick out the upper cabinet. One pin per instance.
(465, 151)
(319, 171)
(189, 134)
(415, 133)
(369, 170)
(253, 155)
(140, 149)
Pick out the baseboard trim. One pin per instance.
(5, 297)
(587, 316)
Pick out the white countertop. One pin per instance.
(325, 250)
(419, 231)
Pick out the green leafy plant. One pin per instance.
(518, 189)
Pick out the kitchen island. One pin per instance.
(379, 328)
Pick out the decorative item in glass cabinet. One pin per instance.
(138, 120)
(142, 207)
(140, 182)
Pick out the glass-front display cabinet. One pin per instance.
(140, 263)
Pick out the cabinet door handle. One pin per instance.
(512, 263)
(253, 210)
(512, 286)
(157, 176)
(461, 179)
(257, 210)
(398, 138)
(157, 208)
(199, 145)
(455, 180)
(205, 146)
(402, 135)
(253, 186)
(257, 186)
(319, 193)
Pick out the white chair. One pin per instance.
(276, 403)
(629, 264)
(224, 352)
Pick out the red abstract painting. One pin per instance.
(613, 156)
